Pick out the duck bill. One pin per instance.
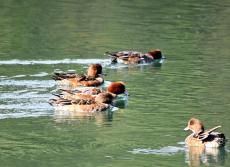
(163, 57)
(126, 93)
(187, 128)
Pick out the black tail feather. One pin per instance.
(68, 91)
(58, 95)
(113, 56)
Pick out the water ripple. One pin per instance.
(41, 74)
(28, 83)
(27, 95)
(64, 61)
(24, 114)
(41, 106)
(169, 150)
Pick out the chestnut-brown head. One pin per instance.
(156, 53)
(94, 70)
(104, 98)
(195, 125)
(116, 88)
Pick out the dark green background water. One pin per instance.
(193, 81)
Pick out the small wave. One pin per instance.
(64, 61)
(39, 106)
(41, 74)
(24, 114)
(26, 95)
(28, 83)
(169, 150)
(28, 109)
(181, 143)
(18, 76)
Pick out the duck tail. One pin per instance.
(113, 56)
(52, 102)
(57, 95)
(57, 76)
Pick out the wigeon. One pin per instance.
(87, 97)
(133, 57)
(115, 89)
(93, 77)
(201, 137)
(100, 103)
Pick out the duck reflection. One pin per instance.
(100, 118)
(197, 156)
(138, 67)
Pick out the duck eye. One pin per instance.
(191, 122)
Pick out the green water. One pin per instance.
(192, 82)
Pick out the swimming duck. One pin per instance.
(100, 103)
(115, 89)
(133, 57)
(201, 137)
(93, 77)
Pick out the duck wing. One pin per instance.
(65, 75)
(58, 102)
(62, 75)
(72, 92)
(123, 55)
(207, 133)
(83, 101)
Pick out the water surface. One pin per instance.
(37, 37)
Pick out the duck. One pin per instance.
(115, 89)
(100, 103)
(92, 78)
(134, 57)
(203, 138)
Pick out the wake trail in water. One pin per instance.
(24, 114)
(25, 107)
(25, 98)
(46, 62)
(28, 83)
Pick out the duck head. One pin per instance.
(116, 88)
(156, 54)
(195, 125)
(94, 70)
(104, 98)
